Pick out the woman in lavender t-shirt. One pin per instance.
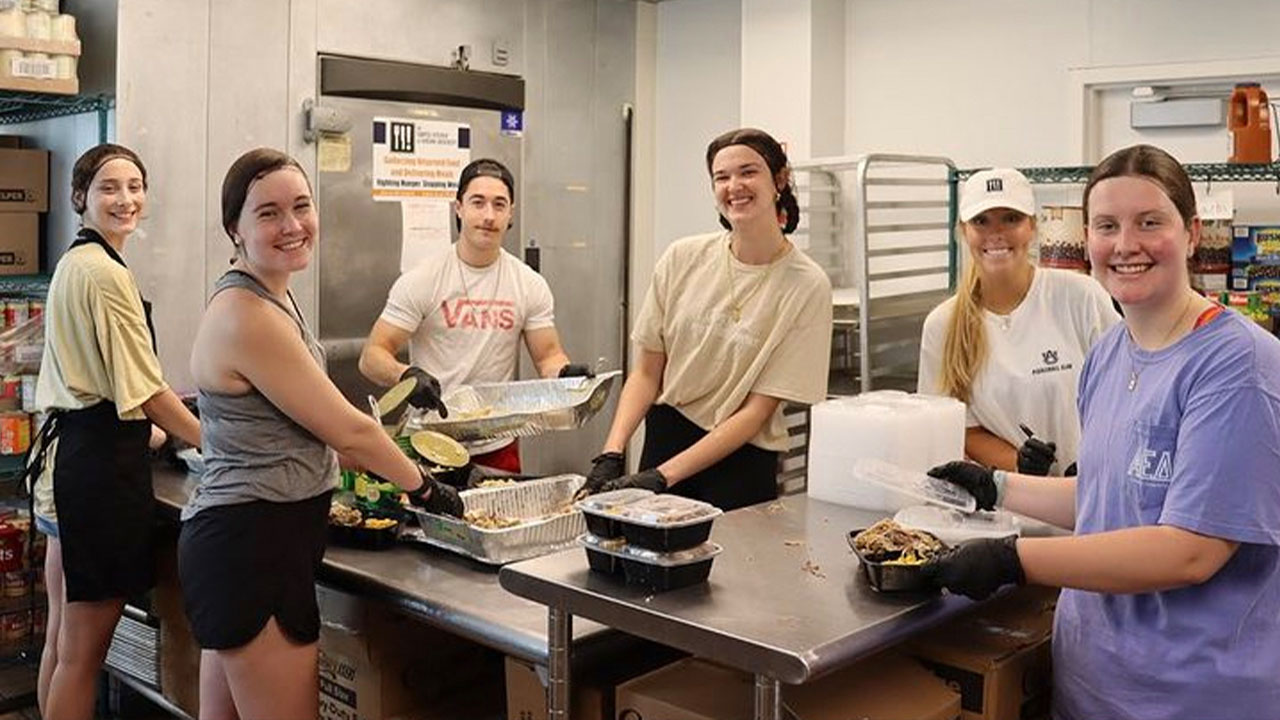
(1173, 574)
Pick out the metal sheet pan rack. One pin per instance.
(881, 224)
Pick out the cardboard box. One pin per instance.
(997, 657)
(690, 689)
(24, 180)
(19, 243)
(593, 686)
(887, 686)
(376, 663)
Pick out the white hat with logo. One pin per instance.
(996, 188)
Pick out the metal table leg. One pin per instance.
(768, 699)
(559, 637)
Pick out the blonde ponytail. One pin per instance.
(966, 346)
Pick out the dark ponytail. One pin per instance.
(787, 207)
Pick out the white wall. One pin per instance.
(698, 96)
(986, 82)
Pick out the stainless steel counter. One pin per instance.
(437, 587)
(785, 600)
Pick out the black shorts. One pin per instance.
(242, 564)
(746, 476)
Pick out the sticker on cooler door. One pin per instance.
(416, 159)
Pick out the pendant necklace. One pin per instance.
(1134, 371)
(497, 286)
(735, 303)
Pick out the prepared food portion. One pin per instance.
(610, 502)
(489, 519)
(889, 543)
(667, 511)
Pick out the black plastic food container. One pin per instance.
(667, 539)
(892, 578)
(661, 578)
(601, 561)
(364, 538)
(602, 523)
(645, 525)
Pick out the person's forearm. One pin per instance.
(715, 446)
(166, 410)
(549, 367)
(380, 367)
(1132, 560)
(638, 395)
(1051, 499)
(367, 447)
(983, 446)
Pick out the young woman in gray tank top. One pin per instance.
(253, 534)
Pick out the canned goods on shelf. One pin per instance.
(16, 583)
(28, 392)
(35, 308)
(16, 312)
(16, 626)
(15, 433)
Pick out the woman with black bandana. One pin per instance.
(101, 384)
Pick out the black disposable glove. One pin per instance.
(978, 480)
(1036, 456)
(426, 391)
(978, 568)
(645, 480)
(576, 370)
(604, 467)
(439, 499)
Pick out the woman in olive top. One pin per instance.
(101, 384)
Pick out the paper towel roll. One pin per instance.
(66, 66)
(6, 61)
(914, 432)
(64, 28)
(39, 26)
(13, 23)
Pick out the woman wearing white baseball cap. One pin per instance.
(1011, 342)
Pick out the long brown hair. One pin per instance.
(965, 349)
(787, 207)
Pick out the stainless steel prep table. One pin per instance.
(437, 587)
(785, 601)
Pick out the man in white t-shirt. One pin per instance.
(464, 310)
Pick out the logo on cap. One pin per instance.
(995, 185)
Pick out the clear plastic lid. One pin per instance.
(609, 502)
(914, 484)
(620, 549)
(952, 526)
(664, 511)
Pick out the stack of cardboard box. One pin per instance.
(24, 196)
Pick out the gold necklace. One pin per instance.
(1135, 371)
(736, 304)
(497, 286)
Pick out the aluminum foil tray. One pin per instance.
(534, 500)
(517, 409)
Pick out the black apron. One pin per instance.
(102, 490)
(746, 476)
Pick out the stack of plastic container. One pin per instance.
(39, 47)
(657, 542)
(913, 432)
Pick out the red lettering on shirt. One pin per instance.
(466, 314)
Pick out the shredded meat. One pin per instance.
(887, 540)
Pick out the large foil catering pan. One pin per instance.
(546, 506)
(517, 409)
